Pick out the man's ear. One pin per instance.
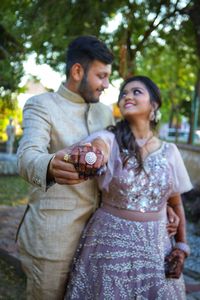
(77, 72)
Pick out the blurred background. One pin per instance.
(160, 39)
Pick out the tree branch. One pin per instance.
(152, 26)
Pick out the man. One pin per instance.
(58, 209)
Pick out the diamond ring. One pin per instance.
(90, 158)
(67, 157)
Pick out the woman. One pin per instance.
(123, 248)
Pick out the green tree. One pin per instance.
(194, 13)
(142, 22)
(152, 37)
(173, 65)
(47, 27)
(11, 51)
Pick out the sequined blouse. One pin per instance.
(164, 174)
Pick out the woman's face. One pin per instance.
(135, 101)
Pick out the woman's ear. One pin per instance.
(152, 115)
(77, 72)
(154, 106)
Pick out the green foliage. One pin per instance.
(175, 76)
(156, 38)
(9, 109)
(171, 61)
(142, 22)
(12, 54)
(48, 26)
(11, 72)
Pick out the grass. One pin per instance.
(12, 285)
(14, 190)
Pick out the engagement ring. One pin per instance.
(90, 158)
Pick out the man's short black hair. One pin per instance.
(84, 50)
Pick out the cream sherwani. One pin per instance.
(57, 214)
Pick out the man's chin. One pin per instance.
(93, 100)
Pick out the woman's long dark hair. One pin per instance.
(124, 136)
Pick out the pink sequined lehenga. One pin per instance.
(123, 258)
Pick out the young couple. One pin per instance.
(123, 248)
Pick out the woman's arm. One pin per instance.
(103, 146)
(175, 260)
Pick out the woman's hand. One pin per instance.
(174, 263)
(75, 165)
(87, 159)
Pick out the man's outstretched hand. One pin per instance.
(173, 221)
(76, 165)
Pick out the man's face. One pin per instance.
(94, 81)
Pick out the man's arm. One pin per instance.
(176, 203)
(34, 159)
(173, 221)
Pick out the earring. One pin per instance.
(158, 116)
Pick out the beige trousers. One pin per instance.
(46, 279)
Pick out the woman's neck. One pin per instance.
(141, 130)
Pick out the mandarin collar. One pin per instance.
(69, 95)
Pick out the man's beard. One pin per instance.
(86, 92)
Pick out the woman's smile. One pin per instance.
(129, 104)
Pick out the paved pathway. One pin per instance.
(9, 220)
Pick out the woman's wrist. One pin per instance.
(183, 247)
